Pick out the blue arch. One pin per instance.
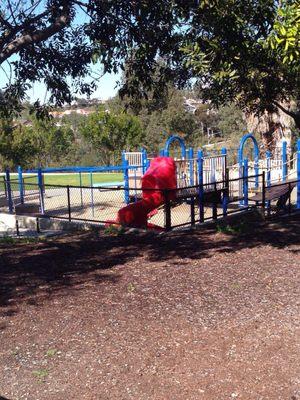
(256, 153)
(172, 139)
(242, 145)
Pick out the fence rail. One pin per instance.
(181, 207)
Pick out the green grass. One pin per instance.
(73, 179)
(70, 179)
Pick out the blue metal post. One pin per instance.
(284, 161)
(241, 175)
(41, 190)
(200, 183)
(21, 186)
(144, 160)
(298, 173)
(245, 182)
(191, 165)
(9, 193)
(224, 153)
(125, 166)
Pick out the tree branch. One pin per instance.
(35, 37)
(18, 28)
(5, 22)
(286, 111)
(294, 115)
(11, 12)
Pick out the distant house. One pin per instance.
(80, 111)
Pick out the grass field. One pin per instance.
(72, 179)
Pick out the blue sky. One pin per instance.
(106, 87)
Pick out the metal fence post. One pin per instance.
(215, 205)
(167, 211)
(41, 190)
(225, 199)
(200, 183)
(92, 193)
(192, 211)
(245, 183)
(289, 203)
(263, 194)
(268, 155)
(80, 184)
(69, 202)
(9, 192)
(21, 184)
(298, 173)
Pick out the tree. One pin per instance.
(16, 147)
(235, 58)
(231, 123)
(226, 45)
(51, 40)
(111, 133)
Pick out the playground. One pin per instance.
(193, 315)
(180, 187)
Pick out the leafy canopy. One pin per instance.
(109, 132)
(245, 51)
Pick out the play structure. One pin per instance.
(160, 176)
(175, 188)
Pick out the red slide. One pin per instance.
(160, 175)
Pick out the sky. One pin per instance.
(106, 87)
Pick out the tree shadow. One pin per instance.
(34, 272)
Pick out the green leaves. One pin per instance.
(284, 39)
(111, 132)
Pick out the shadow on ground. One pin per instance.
(31, 272)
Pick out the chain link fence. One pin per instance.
(166, 209)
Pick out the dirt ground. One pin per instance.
(189, 315)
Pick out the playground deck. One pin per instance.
(275, 192)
